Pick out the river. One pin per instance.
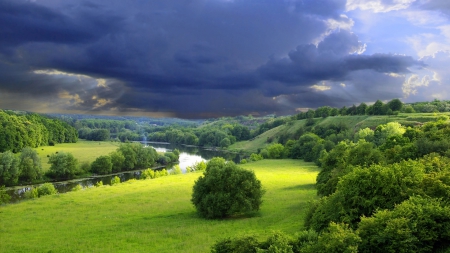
(188, 157)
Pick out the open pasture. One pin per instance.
(153, 215)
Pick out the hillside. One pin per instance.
(353, 123)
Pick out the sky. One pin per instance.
(214, 58)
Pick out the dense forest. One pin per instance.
(20, 130)
(381, 190)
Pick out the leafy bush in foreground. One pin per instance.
(226, 189)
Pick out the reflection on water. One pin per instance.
(188, 157)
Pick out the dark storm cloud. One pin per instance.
(333, 59)
(188, 58)
(24, 22)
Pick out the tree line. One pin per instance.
(381, 190)
(26, 167)
(20, 130)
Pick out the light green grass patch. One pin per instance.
(153, 215)
(82, 150)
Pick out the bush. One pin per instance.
(77, 188)
(115, 180)
(4, 197)
(243, 244)
(255, 157)
(243, 161)
(176, 170)
(225, 190)
(99, 183)
(147, 174)
(46, 189)
(102, 165)
(200, 166)
(32, 193)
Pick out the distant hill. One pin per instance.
(353, 123)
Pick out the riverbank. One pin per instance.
(153, 215)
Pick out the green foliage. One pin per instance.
(136, 156)
(416, 225)
(32, 193)
(244, 244)
(115, 180)
(176, 170)
(147, 174)
(117, 160)
(338, 238)
(30, 165)
(77, 188)
(85, 167)
(99, 183)
(9, 169)
(243, 161)
(277, 243)
(255, 157)
(62, 165)
(365, 190)
(225, 190)
(200, 166)
(4, 197)
(276, 151)
(46, 189)
(102, 165)
(32, 130)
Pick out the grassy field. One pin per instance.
(82, 150)
(153, 215)
(354, 123)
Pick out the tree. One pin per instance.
(225, 190)
(102, 165)
(63, 165)
(364, 190)
(337, 238)
(276, 151)
(117, 160)
(395, 104)
(9, 169)
(30, 165)
(378, 108)
(416, 225)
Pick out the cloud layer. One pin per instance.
(199, 58)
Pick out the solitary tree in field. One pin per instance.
(225, 190)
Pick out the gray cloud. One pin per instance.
(186, 58)
(333, 59)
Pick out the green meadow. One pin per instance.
(82, 150)
(153, 215)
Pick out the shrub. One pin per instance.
(77, 188)
(255, 157)
(163, 173)
(243, 161)
(176, 170)
(115, 180)
(102, 165)
(226, 189)
(200, 166)
(147, 174)
(243, 244)
(46, 189)
(4, 197)
(32, 193)
(337, 238)
(99, 183)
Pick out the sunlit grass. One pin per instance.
(82, 150)
(153, 215)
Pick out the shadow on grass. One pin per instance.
(301, 187)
